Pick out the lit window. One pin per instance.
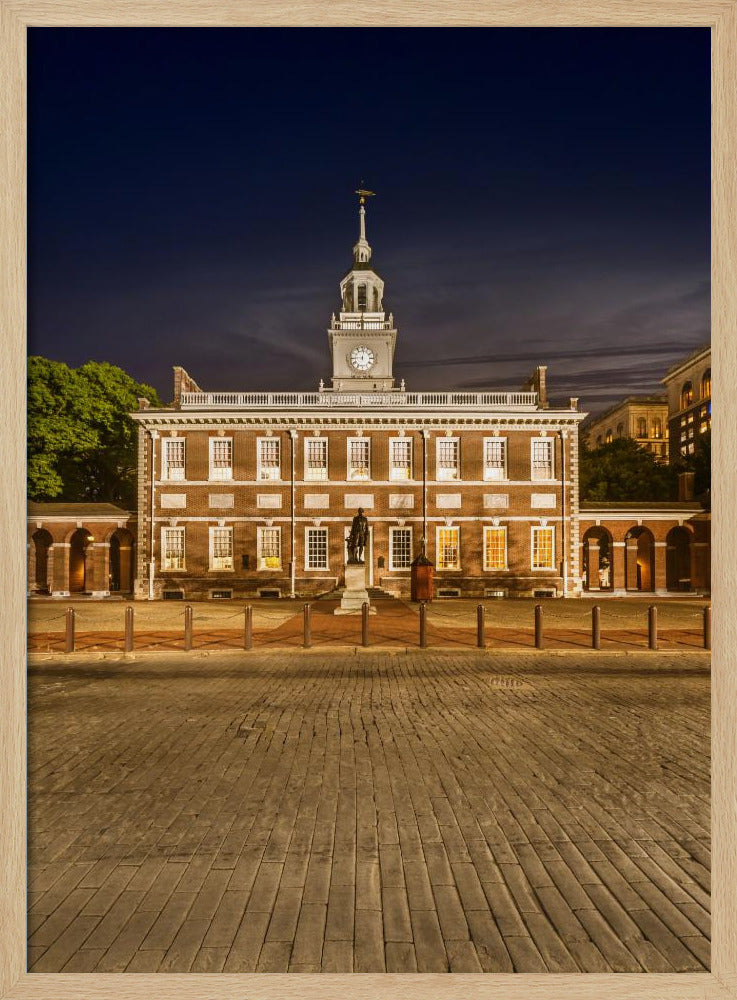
(608, 437)
(400, 548)
(221, 548)
(543, 548)
(686, 395)
(359, 458)
(172, 458)
(316, 548)
(269, 458)
(268, 545)
(172, 546)
(221, 458)
(542, 458)
(657, 427)
(448, 548)
(706, 384)
(495, 548)
(447, 458)
(400, 458)
(641, 427)
(495, 458)
(316, 459)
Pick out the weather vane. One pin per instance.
(363, 194)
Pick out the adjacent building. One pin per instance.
(642, 418)
(688, 388)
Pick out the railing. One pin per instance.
(358, 324)
(362, 400)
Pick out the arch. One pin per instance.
(608, 437)
(678, 559)
(639, 559)
(706, 384)
(122, 546)
(642, 427)
(620, 430)
(657, 428)
(686, 394)
(598, 559)
(78, 543)
(42, 542)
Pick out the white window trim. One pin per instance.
(392, 530)
(211, 547)
(259, 469)
(260, 529)
(166, 476)
(447, 479)
(322, 479)
(357, 479)
(504, 476)
(497, 527)
(542, 479)
(315, 569)
(401, 479)
(183, 531)
(542, 527)
(447, 527)
(224, 474)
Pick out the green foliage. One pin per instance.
(622, 470)
(81, 441)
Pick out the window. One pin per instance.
(657, 427)
(495, 547)
(361, 290)
(172, 548)
(641, 427)
(608, 437)
(221, 458)
(269, 458)
(172, 458)
(542, 457)
(268, 544)
(448, 548)
(495, 458)
(359, 458)
(447, 458)
(620, 430)
(686, 395)
(706, 384)
(400, 548)
(543, 548)
(221, 548)
(316, 459)
(400, 458)
(316, 548)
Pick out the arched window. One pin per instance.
(620, 430)
(686, 394)
(657, 427)
(642, 427)
(609, 436)
(706, 384)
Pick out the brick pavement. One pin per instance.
(371, 812)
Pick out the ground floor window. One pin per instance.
(495, 548)
(221, 548)
(172, 547)
(448, 548)
(400, 548)
(543, 548)
(269, 548)
(316, 548)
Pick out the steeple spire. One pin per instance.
(362, 250)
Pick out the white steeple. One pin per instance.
(362, 251)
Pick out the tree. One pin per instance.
(623, 470)
(81, 439)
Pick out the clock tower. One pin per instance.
(362, 338)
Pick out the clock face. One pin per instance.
(362, 358)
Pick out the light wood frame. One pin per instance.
(15, 17)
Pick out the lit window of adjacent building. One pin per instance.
(400, 458)
(172, 548)
(642, 427)
(657, 427)
(495, 458)
(268, 547)
(400, 548)
(448, 553)
(543, 547)
(172, 458)
(359, 458)
(686, 395)
(221, 458)
(706, 384)
(447, 458)
(495, 548)
(542, 458)
(609, 436)
(316, 459)
(316, 548)
(269, 458)
(221, 548)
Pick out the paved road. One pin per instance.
(370, 812)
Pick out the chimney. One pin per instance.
(183, 383)
(686, 489)
(537, 382)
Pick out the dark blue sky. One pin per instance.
(542, 197)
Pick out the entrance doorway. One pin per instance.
(78, 544)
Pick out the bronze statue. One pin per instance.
(358, 537)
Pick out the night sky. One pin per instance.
(542, 198)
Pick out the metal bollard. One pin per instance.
(652, 627)
(538, 626)
(480, 640)
(423, 625)
(128, 646)
(707, 627)
(364, 623)
(188, 627)
(307, 627)
(596, 627)
(247, 627)
(69, 639)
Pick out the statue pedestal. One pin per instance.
(355, 594)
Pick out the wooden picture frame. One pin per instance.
(15, 17)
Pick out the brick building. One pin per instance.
(247, 494)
